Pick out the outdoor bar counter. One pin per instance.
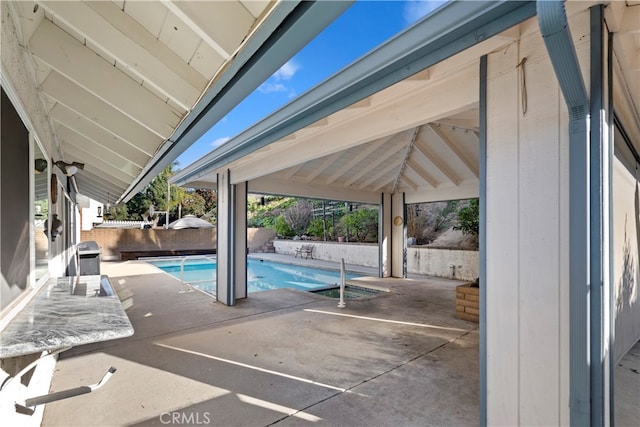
(66, 312)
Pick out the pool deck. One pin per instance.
(281, 357)
(286, 357)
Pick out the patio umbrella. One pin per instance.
(190, 221)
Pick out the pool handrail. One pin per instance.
(182, 260)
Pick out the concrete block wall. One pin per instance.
(113, 241)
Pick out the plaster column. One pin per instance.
(398, 236)
(384, 232)
(231, 253)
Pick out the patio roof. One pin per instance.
(128, 86)
(403, 118)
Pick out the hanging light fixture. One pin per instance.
(69, 169)
(40, 165)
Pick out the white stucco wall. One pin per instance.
(365, 254)
(420, 260)
(90, 215)
(438, 262)
(527, 234)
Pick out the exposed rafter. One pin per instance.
(323, 166)
(293, 171)
(63, 53)
(65, 92)
(437, 162)
(115, 37)
(374, 164)
(190, 22)
(381, 173)
(456, 149)
(422, 173)
(363, 152)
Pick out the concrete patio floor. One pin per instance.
(280, 357)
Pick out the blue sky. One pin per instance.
(358, 30)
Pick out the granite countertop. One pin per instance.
(66, 313)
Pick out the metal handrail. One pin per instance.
(187, 287)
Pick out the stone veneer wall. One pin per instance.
(468, 303)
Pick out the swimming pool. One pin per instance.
(262, 275)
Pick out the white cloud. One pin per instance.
(218, 142)
(272, 87)
(287, 71)
(415, 10)
(277, 82)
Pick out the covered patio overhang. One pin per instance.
(126, 87)
(470, 102)
(403, 119)
(400, 125)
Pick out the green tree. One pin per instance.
(362, 224)
(469, 218)
(316, 228)
(155, 193)
(282, 228)
(193, 204)
(118, 213)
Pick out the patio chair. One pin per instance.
(305, 250)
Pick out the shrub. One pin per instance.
(469, 218)
(362, 224)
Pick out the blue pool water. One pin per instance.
(261, 275)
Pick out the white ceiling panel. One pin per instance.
(179, 37)
(150, 14)
(255, 7)
(119, 79)
(205, 59)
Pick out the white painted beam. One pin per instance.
(92, 153)
(323, 166)
(272, 185)
(465, 190)
(422, 173)
(98, 135)
(455, 148)
(294, 170)
(65, 92)
(382, 172)
(406, 180)
(374, 164)
(437, 162)
(432, 102)
(81, 65)
(97, 186)
(198, 25)
(113, 33)
(365, 151)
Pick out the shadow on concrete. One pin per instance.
(401, 359)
